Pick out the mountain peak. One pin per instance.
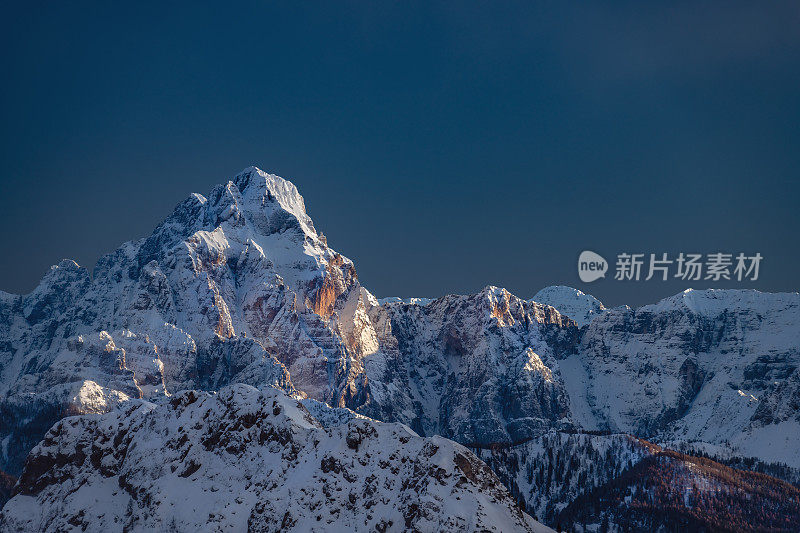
(65, 271)
(575, 304)
(255, 180)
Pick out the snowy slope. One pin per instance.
(252, 460)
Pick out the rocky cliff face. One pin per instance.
(252, 460)
(710, 366)
(479, 369)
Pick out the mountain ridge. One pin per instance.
(245, 459)
(238, 287)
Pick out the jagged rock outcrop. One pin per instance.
(255, 460)
(479, 369)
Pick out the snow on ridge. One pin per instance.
(253, 195)
(573, 303)
(409, 301)
(249, 459)
(329, 416)
(254, 183)
(491, 292)
(713, 302)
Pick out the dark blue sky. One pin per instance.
(442, 147)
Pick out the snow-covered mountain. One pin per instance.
(713, 366)
(220, 288)
(719, 367)
(575, 304)
(252, 460)
(240, 287)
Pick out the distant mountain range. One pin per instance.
(566, 400)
